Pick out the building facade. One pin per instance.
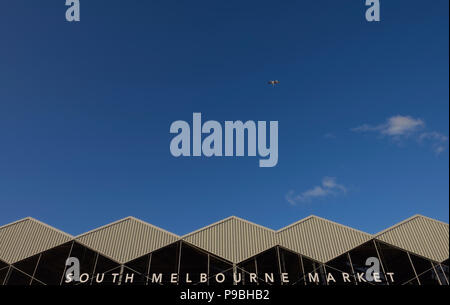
(312, 251)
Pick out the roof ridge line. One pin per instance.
(396, 225)
(208, 226)
(225, 220)
(51, 227)
(123, 220)
(295, 223)
(102, 227)
(253, 223)
(323, 219)
(15, 222)
(406, 221)
(429, 218)
(344, 226)
(153, 226)
(29, 218)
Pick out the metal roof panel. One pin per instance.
(320, 239)
(127, 239)
(233, 238)
(420, 235)
(28, 237)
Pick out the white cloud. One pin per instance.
(329, 187)
(395, 126)
(438, 140)
(364, 128)
(433, 136)
(401, 127)
(330, 183)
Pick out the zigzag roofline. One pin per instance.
(220, 222)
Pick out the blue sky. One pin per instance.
(85, 111)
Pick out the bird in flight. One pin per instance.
(273, 82)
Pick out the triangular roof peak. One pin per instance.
(128, 218)
(117, 240)
(420, 235)
(224, 220)
(320, 239)
(27, 237)
(320, 219)
(239, 239)
(416, 216)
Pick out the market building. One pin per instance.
(233, 251)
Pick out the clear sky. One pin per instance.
(85, 111)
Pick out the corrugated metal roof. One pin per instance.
(27, 237)
(320, 239)
(233, 239)
(127, 239)
(420, 235)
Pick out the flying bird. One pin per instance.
(273, 82)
